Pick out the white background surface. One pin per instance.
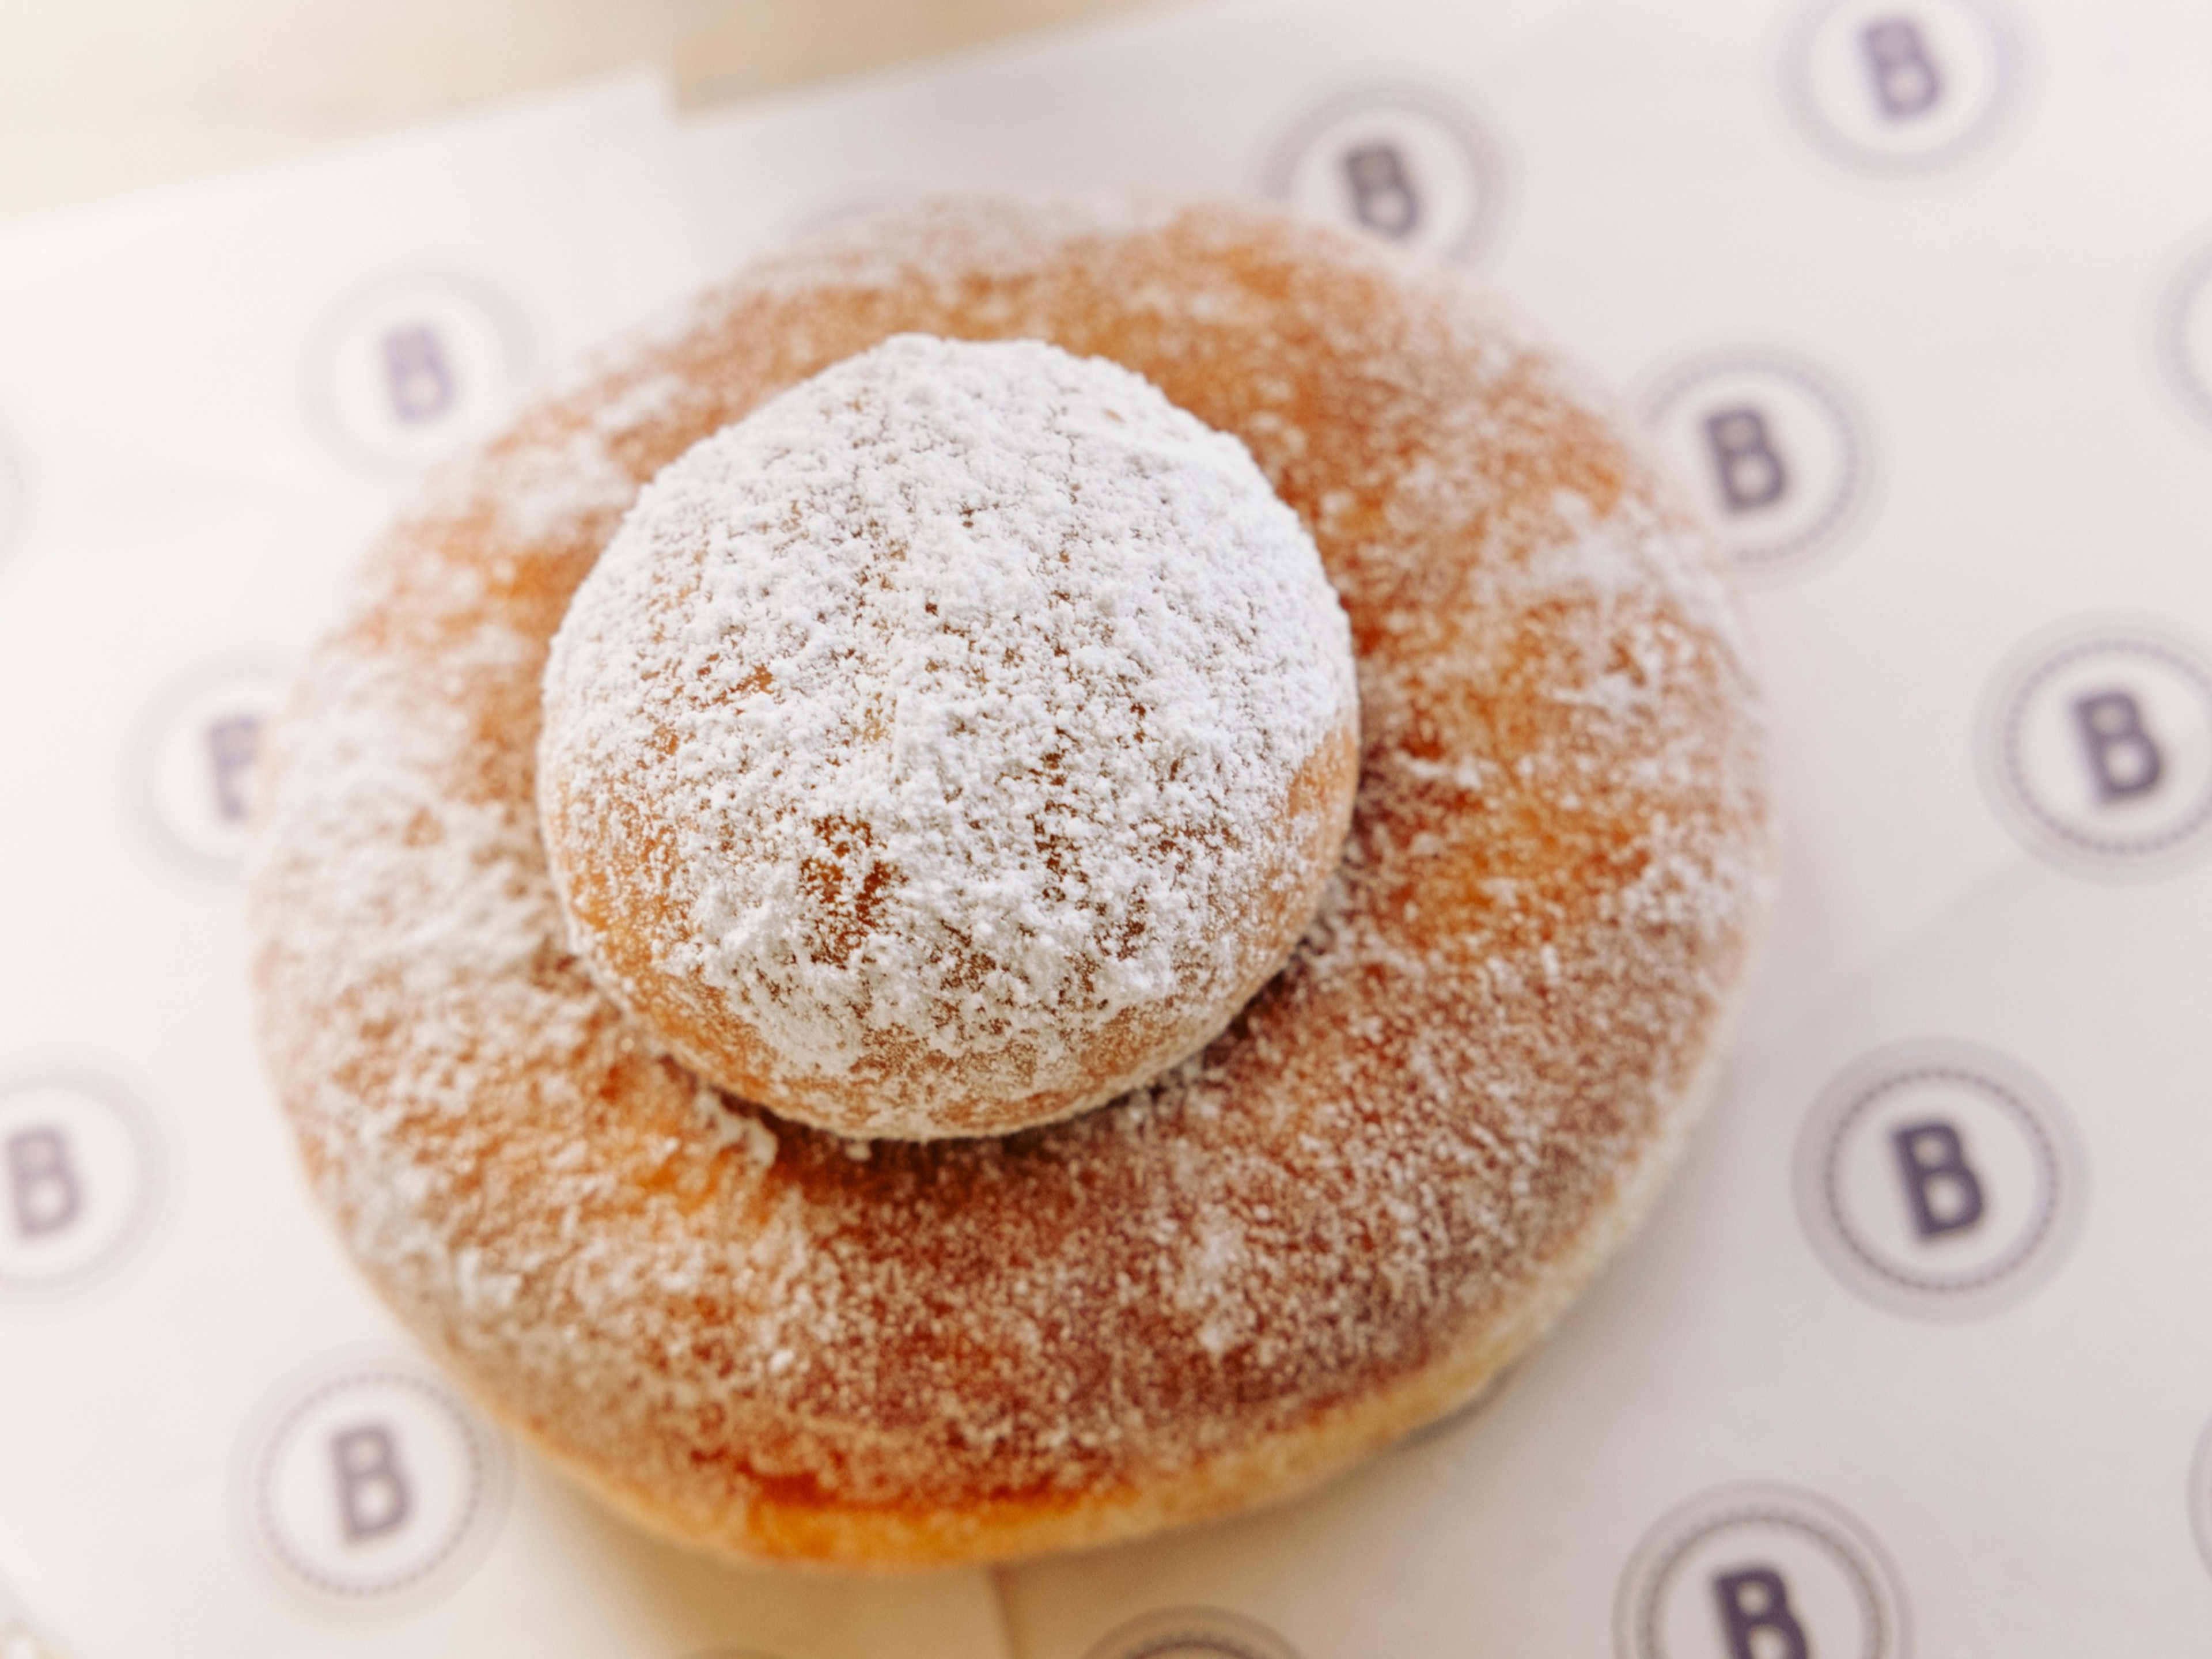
(98, 96)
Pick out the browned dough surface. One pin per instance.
(1386, 1177)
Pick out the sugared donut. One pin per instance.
(1388, 1176)
(954, 742)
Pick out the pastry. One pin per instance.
(950, 745)
(1387, 1174)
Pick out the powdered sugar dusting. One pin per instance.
(1384, 1177)
(969, 684)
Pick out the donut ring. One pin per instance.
(1387, 1177)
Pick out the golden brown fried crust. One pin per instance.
(1380, 1183)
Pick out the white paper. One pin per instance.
(1952, 255)
(212, 1440)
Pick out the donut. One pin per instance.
(1390, 1172)
(952, 745)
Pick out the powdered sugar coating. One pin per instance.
(933, 750)
(1383, 1181)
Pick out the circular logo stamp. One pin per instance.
(1754, 1570)
(1939, 1179)
(196, 758)
(1900, 85)
(1774, 449)
(1192, 1633)
(416, 365)
(79, 1178)
(2096, 749)
(1402, 163)
(371, 1486)
(2182, 337)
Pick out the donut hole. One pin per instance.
(953, 743)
